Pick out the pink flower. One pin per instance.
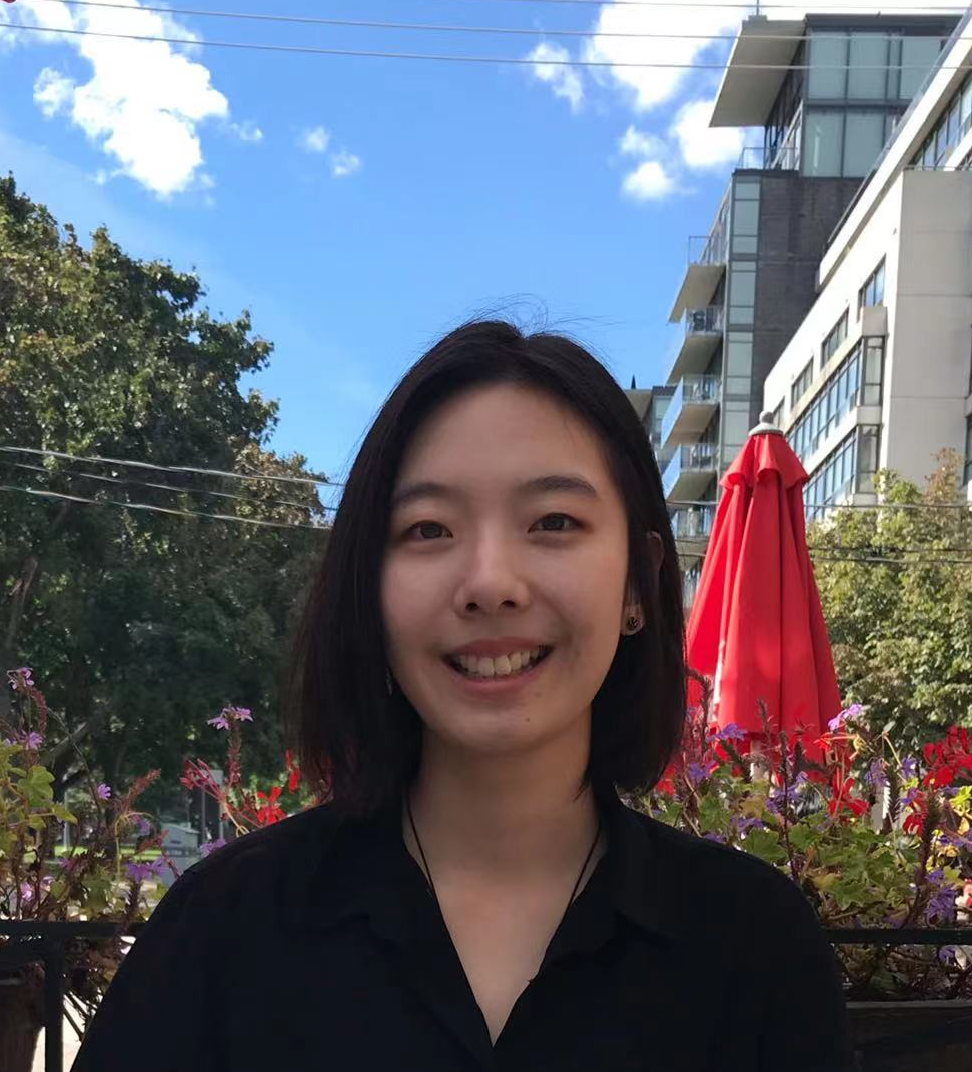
(219, 722)
(103, 791)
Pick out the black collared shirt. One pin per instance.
(316, 945)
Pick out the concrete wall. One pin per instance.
(923, 229)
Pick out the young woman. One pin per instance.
(492, 650)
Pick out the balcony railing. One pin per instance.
(689, 458)
(690, 391)
(699, 321)
(693, 522)
(759, 158)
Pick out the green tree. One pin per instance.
(901, 624)
(142, 624)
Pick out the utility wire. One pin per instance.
(310, 20)
(858, 8)
(165, 487)
(159, 509)
(876, 548)
(169, 468)
(846, 506)
(310, 50)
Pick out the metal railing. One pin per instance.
(691, 389)
(693, 522)
(44, 941)
(759, 158)
(689, 458)
(708, 319)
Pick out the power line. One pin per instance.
(310, 20)
(159, 509)
(170, 468)
(311, 50)
(877, 9)
(167, 487)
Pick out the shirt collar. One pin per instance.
(364, 868)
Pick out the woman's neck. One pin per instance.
(501, 819)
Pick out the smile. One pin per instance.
(481, 668)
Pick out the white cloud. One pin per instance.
(144, 102)
(703, 146)
(247, 131)
(637, 143)
(648, 182)
(565, 81)
(344, 163)
(315, 140)
(52, 91)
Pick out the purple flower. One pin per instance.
(32, 741)
(874, 776)
(720, 838)
(143, 826)
(219, 722)
(941, 906)
(743, 826)
(210, 846)
(956, 841)
(140, 871)
(21, 678)
(909, 798)
(243, 714)
(909, 767)
(26, 893)
(696, 772)
(837, 724)
(947, 953)
(103, 791)
(731, 733)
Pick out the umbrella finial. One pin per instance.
(766, 425)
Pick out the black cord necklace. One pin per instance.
(428, 873)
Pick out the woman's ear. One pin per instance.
(656, 551)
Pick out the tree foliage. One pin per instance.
(901, 623)
(144, 623)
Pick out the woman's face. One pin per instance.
(499, 556)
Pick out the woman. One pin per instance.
(493, 649)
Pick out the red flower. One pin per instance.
(294, 780)
(914, 824)
(271, 812)
(940, 776)
(842, 798)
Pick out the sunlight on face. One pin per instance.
(486, 556)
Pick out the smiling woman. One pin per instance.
(492, 650)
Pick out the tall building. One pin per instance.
(826, 92)
(879, 373)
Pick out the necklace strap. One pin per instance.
(428, 873)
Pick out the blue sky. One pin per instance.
(360, 207)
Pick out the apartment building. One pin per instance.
(879, 373)
(826, 92)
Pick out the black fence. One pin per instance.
(44, 942)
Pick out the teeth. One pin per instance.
(502, 666)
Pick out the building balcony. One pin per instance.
(693, 523)
(706, 265)
(695, 399)
(758, 158)
(703, 333)
(689, 472)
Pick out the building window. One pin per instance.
(777, 418)
(856, 382)
(801, 384)
(849, 468)
(834, 339)
(745, 217)
(872, 292)
(953, 124)
(742, 291)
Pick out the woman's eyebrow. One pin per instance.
(538, 485)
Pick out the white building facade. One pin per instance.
(879, 373)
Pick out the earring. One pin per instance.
(632, 625)
(388, 681)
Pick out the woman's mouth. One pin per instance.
(504, 667)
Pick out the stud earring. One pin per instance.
(632, 625)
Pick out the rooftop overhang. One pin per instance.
(640, 398)
(757, 67)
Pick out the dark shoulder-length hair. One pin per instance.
(363, 742)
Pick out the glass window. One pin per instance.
(802, 383)
(965, 108)
(746, 190)
(742, 292)
(917, 55)
(872, 292)
(870, 52)
(863, 140)
(739, 353)
(894, 68)
(954, 122)
(822, 152)
(968, 449)
(835, 337)
(828, 67)
(745, 217)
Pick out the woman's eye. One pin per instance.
(561, 518)
(422, 527)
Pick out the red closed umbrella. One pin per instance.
(756, 626)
